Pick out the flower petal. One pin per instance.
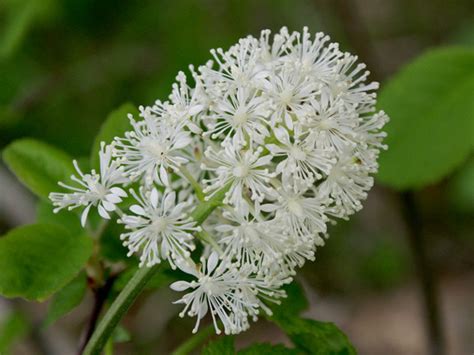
(212, 262)
(180, 286)
(164, 176)
(137, 209)
(102, 212)
(169, 201)
(84, 215)
(154, 197)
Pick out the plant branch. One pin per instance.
(426, 274)
(197, 188)
(118, 309)
(100, 297)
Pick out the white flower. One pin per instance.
(290, 91)
(216, 289)
(302, 216)
(242, 169)
(272, 51)
(294, 251)
(94, 189)
(314, 57)
(151, 149)
(241, 114)
(159, 228)
(230, 294)
(237, 66)
(349, 84)
(188, 102)
(250, 241)
(347, 184)
(303, 161)
(334, 127)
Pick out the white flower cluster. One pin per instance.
(283, 128)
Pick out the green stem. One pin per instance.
(137, 283)
(194, 341)
(118, 309)
(207, 238)
(109, 347)
(205, 208)
(197, 188)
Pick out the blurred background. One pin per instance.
(65, 64)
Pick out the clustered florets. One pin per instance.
(286, 127)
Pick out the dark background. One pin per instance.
(64, 65)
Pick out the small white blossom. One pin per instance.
(159, 228)
(94, 189)
(304, 161)
(151, 149)
(302, 216)
(242, 169)
(290, 92)
(250, 241)
(347, 184)
(227, 293)
(241, 114)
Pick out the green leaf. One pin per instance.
(14, 327)
(223, 345)
(67, 299)
(38, 260)
(461, 189)
(292, 305)
(312, 336)
(67, 219)
(121, 335)
(263, 349)
(315, 337)
(116, 124)
(111, 247)
(38, 165)
(431, 109)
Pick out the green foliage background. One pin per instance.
(70, 71)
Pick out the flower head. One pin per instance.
(230, 294)
(93, 189)
(159, 228)
(151, 149)
(274, 137)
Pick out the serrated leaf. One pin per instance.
(66, 299)
(13, 328)
(431, 109)
(223, 345)
(38, 165)
(38, 260)
(116, 124)
(267, 349)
